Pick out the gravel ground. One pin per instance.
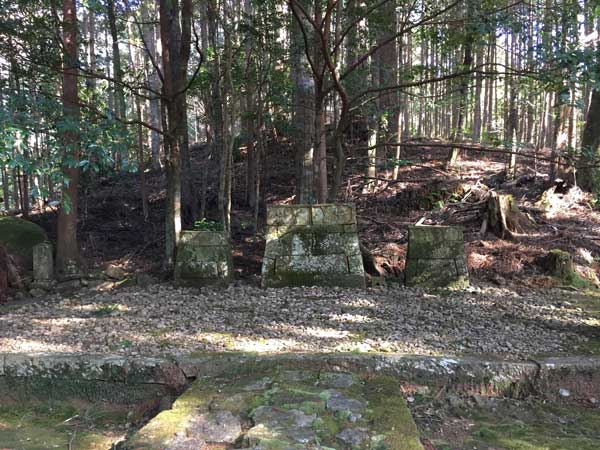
(162, 319)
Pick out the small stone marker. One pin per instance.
(43, 262)
(312, 245)
(203, 257)
(436, 257)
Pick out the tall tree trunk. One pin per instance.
(387, 66)
(589, 172)
(320, 156)
(477, 96)
(67, 250)
(175, 34)
(249, 116)
(303, 112)
(5, 189)
(135, 59)
(457, 134)
(151, 54)
(217, 110)
(120, 108)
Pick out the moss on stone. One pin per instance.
(538, 427)
(38, 425)
(20, 236)
(384, 413)
(389, 415)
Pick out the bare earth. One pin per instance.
(162, 319)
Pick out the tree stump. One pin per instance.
(559, 264)
(504, 218)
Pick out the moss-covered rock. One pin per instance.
(285, 409)
(20, 236)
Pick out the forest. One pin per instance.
(214, 109)
(300, 224)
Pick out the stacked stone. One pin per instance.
(312, 245)
(203, 258)
(436, 257)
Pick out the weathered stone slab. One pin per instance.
(437, 233)
(332, 214)
(312, 245)
(289, 413)
(289, 215)
(43, 262)
(436, 257)
(203, 257)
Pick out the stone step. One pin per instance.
(284, 409)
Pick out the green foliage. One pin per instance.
(207, 225)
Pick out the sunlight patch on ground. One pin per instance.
(28, 345)
(351, 318)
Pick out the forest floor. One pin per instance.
(162, 319)
(520, 310)
(456, 422)
(112, 229)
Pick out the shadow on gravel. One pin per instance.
(163, 319)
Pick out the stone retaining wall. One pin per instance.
(203, 257)
(312, 245)
(93, 376)
(436, 257)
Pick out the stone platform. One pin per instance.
(284, 409)
(203, 257)
(436, 257)
(312, 245)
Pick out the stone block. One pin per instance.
(310, 245)
(435, 250)
(325, 243)
(203, 258)
(43, 262)
(297, 242)
(436, 257)
(203, 238)
(289, 215)
(308, 264)
(333, 214)
(436, 234)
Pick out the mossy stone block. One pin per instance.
(310, 245)
(203, 257)
(436, 257)
(308, 264)
(288, 215)
(203, 238)
(293, 413)
(435, 250)
(297, 242)
(333, 214)
(325, 243)
(43, 262)
(435, 234)
(434, 273)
